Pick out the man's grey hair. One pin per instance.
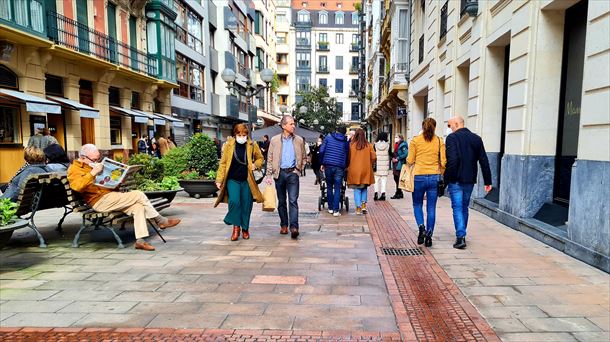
(285, 119)
(87, 148)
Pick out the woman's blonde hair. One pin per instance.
(34, 155)
(240, 128)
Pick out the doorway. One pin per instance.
(570, 100)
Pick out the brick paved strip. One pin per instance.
(186, 335)
(427, 304)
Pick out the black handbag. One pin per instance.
(441, 181)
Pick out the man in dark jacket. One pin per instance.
(464, 150)
(333, 157)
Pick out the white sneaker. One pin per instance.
(336, 214)
(330, 211)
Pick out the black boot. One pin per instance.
(428, 242)
(400, 194)
(460, 243)
(375, 198)
(395, 196)
(382, 197)
(422, 234)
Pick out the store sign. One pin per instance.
(401, 111)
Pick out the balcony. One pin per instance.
(303, 24)
(78, 37)
(353, 69)
(283, 68)
(323, 69)
(354, 47)
(303, 42)
(212, 15)
(323, 46)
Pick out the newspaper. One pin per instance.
(114, 173)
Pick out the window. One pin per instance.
(355, 38)
(190, 77)
(259, 24)
(54, 85)
(282, 58)
(323, 82)
(259, 62)
(355, 18)
(355, 63)
(339, 62)
(9, 125)
(280, 17)
(303, 37)
(281, 37)
(355, 85)
(339, 38)
(323, 63)
(339, 18)
(340, 107)
(323, 37)
(114, 98)
(303, 59)
(443, 29)
(283, 79)
(339, 85)
(135, 100)
(188, 27)
(302, 83)
(323, 18)
(303, 17)
(403, 35)
(28, 16)
(355, 111)
(115, 130)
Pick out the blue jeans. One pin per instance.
(360, 196)
(460, 199)
(334, 178)
(425, 184)
(288, 182)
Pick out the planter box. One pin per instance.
(199, 188)
(169, 195)
(7, 231)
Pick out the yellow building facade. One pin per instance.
(92, 61)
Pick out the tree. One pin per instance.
(320, 106)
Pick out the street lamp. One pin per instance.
(316, 122)
(249, 91)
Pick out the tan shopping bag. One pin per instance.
(406, 178)
(269, 196)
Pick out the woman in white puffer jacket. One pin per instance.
(382, 149)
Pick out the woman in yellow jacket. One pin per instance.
(235, 180)
(427, 152)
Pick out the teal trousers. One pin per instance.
(240, 204)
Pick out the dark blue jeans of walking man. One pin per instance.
(288, 183)
(460, 199)
(334, 179)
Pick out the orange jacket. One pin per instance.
(81, 180)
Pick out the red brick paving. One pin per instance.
(186, 335)
(427, 304)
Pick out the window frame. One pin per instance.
(14, 121)
(116, 124)
(339, 38)
(339, 15)
(186, 84)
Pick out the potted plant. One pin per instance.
(194, 164)
(152, 179)
(8, 220)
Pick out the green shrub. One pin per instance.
(168, 183)
(7, 211)
(152, 168)
(175, 162)
(202, 156)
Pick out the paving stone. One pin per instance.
(511, 312)
(98, 307)
(21, 274)
(26, 294)
(115, 320)
(62, 276)
(187, 321)
(166, 308)
(284, 280)
(559, 324)
(592, 336)
(70, 284)
(210, 297)
(187, 287)
(359, 290)
(234, 321)
(537, 337)
(252, 309)
(507, 325)
(85, 295)
(574, 310)
(361, 311)
(300, 310)
(146, 296)
(21, 284)
(33, 306)
(303, 289)
(42, 319)
(382, 324)
(269, 298)
(602, 322)
(105, 277)
(330, 299)
(324, 323)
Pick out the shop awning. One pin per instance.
(137, 116)
(156, 119)
(175, 121)
(84, 110)
(32, 103)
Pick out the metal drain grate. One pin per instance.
(402, 251)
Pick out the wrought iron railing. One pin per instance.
(303, 41)
(354, 47)
(79, 37)
(323, 69)
(443, 31)
(323, 46)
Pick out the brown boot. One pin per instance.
(245, 234)
(283, 230)
(235, 235)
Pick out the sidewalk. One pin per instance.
(333, 283)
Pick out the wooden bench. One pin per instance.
(97, 220)
(43, 191)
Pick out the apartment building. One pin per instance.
(388, 50)
(284, 59)
(91, 71)
(531, 78)
(326, 49)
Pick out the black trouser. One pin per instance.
(397, 181)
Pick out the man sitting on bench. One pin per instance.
(81, 176)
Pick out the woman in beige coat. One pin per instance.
(235, 180)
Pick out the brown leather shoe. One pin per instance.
(245, 234)
(294, 232)
(170, 223)
(144, 246)
(235, 235)
(283, 230)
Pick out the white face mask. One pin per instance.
(241, 140)
(449, 131)
(396, 140)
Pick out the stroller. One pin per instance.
(322, 200)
